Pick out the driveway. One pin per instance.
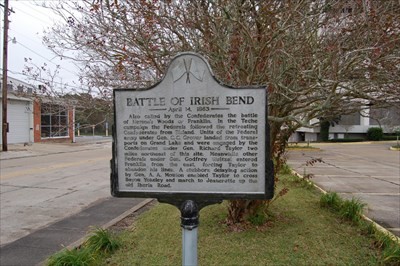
(367, 171)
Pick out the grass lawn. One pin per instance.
(395, 147)
(301, 147)
(298, 232)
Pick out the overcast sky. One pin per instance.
(27, 24)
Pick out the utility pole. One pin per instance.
(4, 83)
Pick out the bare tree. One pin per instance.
(91, 109)
(316, 58)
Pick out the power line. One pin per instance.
(26, 13)
(26, 37)
(45, 58)
(36, 53)
(46, 80)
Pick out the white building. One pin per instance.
(36, 119)
(19, 112)
(353, 126)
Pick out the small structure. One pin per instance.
(33, 118)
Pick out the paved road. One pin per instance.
(367, 171)
(38, 190)
(52, 195)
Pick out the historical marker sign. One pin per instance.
(191, 137)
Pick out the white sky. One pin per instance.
(27, 24)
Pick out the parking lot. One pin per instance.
(367, 171)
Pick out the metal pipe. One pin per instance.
(189, 224)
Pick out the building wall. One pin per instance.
(354, 125)
(36, 120)
(24, 114)
(38, 125)
(19, 118)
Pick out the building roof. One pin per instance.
(12, 96)
(16, 86)
(17, 90)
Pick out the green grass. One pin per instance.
(390, 249)
(347, 140)
(331, 200)
(396, 147)
(72, 257)
(97, 246)
(352, 210)
(102, 240)
(286, 170)
(301, 147)
(297, 232)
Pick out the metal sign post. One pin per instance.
(191, 141)
(189, 224)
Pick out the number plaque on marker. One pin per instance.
(189, 136)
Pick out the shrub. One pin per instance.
(331, 200)
(389, 137)
(375, 133)
(102, 240)
(390, 248)
(368, 228)
(348, 209)
(352, 209)
(72, 257)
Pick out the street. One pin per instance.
(44, 188)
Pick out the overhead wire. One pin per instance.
(26, 46)
(45, 80)
(29, 14)
(20, 10)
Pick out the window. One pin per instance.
(54, 121)
(352, 119)
(389, 116)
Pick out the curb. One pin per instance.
(80, 241)
(377, 226)
(112, 222)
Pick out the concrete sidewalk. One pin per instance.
(35, 248)
(367, 171)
